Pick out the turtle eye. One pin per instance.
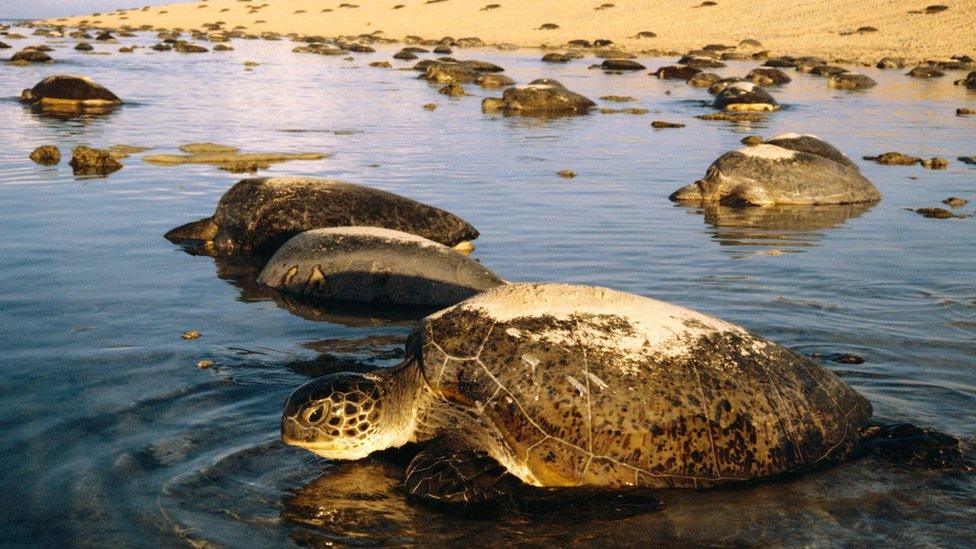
(316, 414)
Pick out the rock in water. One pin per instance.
(258, 215)
(540, 98)
(46, 155)
(375, 265)
(88, 161)
(787, 169)
(69, 92)
(745, 96)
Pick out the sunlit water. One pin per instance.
(110, 434)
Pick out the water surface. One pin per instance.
(110, 434)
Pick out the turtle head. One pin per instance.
(349, 415)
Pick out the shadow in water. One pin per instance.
(359, 500)
(82, 115)
(362, 354)
(790, 227)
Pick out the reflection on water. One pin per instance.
(790, 227)
(243, 273)
(111, 434)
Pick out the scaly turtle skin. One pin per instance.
(258, 215)
(375, 265)
(559, 385)
(790, 170)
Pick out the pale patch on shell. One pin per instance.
(379, 233)
(767, 152)
(794, 136)
(657, 328)
(745, 86)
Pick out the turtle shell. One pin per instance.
(576, 385)
(375, 265)
(258, 215)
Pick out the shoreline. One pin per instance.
(816, 28)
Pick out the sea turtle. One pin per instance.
(745, 96)
(375, 265)
(561, 385)
(69, 92)
(788, 169)
(258, 215)
(541, 97)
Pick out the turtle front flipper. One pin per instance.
(907, 444)
(442, 475)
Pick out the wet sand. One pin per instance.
(820, 27)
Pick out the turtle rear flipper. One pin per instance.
(916, 446)
(440, 475)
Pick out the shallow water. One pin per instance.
(111, 434)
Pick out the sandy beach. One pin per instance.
(818, 27)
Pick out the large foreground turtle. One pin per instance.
(258, 215)
(559, 385)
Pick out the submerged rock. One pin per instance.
(257, 215)
(800, 170)
(207, 148)
(452, 90)
(618, 98)
(88, 161)
(955, 202)
(375, 265)
(46, 155)
(541, 97)
(230, 160)
(935, 213)
(894, 159)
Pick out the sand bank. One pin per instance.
(809, 27)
